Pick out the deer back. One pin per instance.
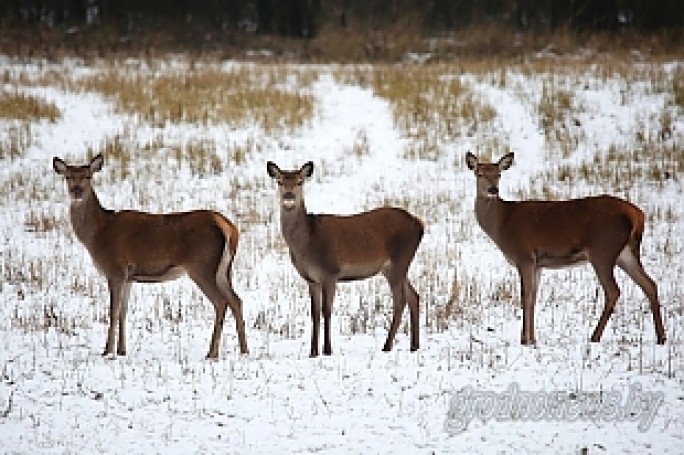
(559, 228)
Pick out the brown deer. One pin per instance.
(129, 246)
(327, 249)
(603, 230)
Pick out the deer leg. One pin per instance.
(413, 301)
(235, 304)
(631, 264)
(529, 282)
(328, 297)
(612, 293)
(398, 288)
(123, 310)
(315, 291)
(116, 290)
(206, 281)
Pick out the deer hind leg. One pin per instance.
(235, 304)
(529, 284)
(315, 292)
(630, 263)
(398, 287)
(118, 296)
(604, 272)
(210, 288)
(413, 301)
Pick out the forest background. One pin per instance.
(342, 30)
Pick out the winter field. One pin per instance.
(179, 135)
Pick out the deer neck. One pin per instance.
(490, 213)
(295, 226)
(87, 215)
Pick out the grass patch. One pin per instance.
(678, 87)
(16, 140)
(20, 106)
(272, 97)
(431, 105)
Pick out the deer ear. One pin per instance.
(505, 162)
(59, 166)
(307, 170)
(471, 161)
(96, 163)
(272, 169)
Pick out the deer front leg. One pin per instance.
(529, 281)
(315, 291)
(328, 295)
(123, 310)
(116, 293)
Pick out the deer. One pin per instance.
(137, 247)
(328, 249)
(604, 231)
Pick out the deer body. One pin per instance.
(602, 230)
(327, 249)
(569, 218)
(130, 246)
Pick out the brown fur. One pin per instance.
(327, 249)
(602, 230)
(130, 246)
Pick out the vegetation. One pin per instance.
(340, 30)
(208, 95)
(20, 106)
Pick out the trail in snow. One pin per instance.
(343, 180)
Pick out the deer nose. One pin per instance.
(77, 192)
(289, 199)
(493, 191)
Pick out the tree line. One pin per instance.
(305, 18)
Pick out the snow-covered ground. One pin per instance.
(57, 394)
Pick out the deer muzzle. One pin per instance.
(76, 192)
(289, 200)
(493, 192)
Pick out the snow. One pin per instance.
(58, 394)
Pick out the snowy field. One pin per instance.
(621, 134)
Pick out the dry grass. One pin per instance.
(16, 140)
(431, 105)
(20, 106)
(678, 87)
(272, 97)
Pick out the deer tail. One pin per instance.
(637, 219)
(230, 234)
